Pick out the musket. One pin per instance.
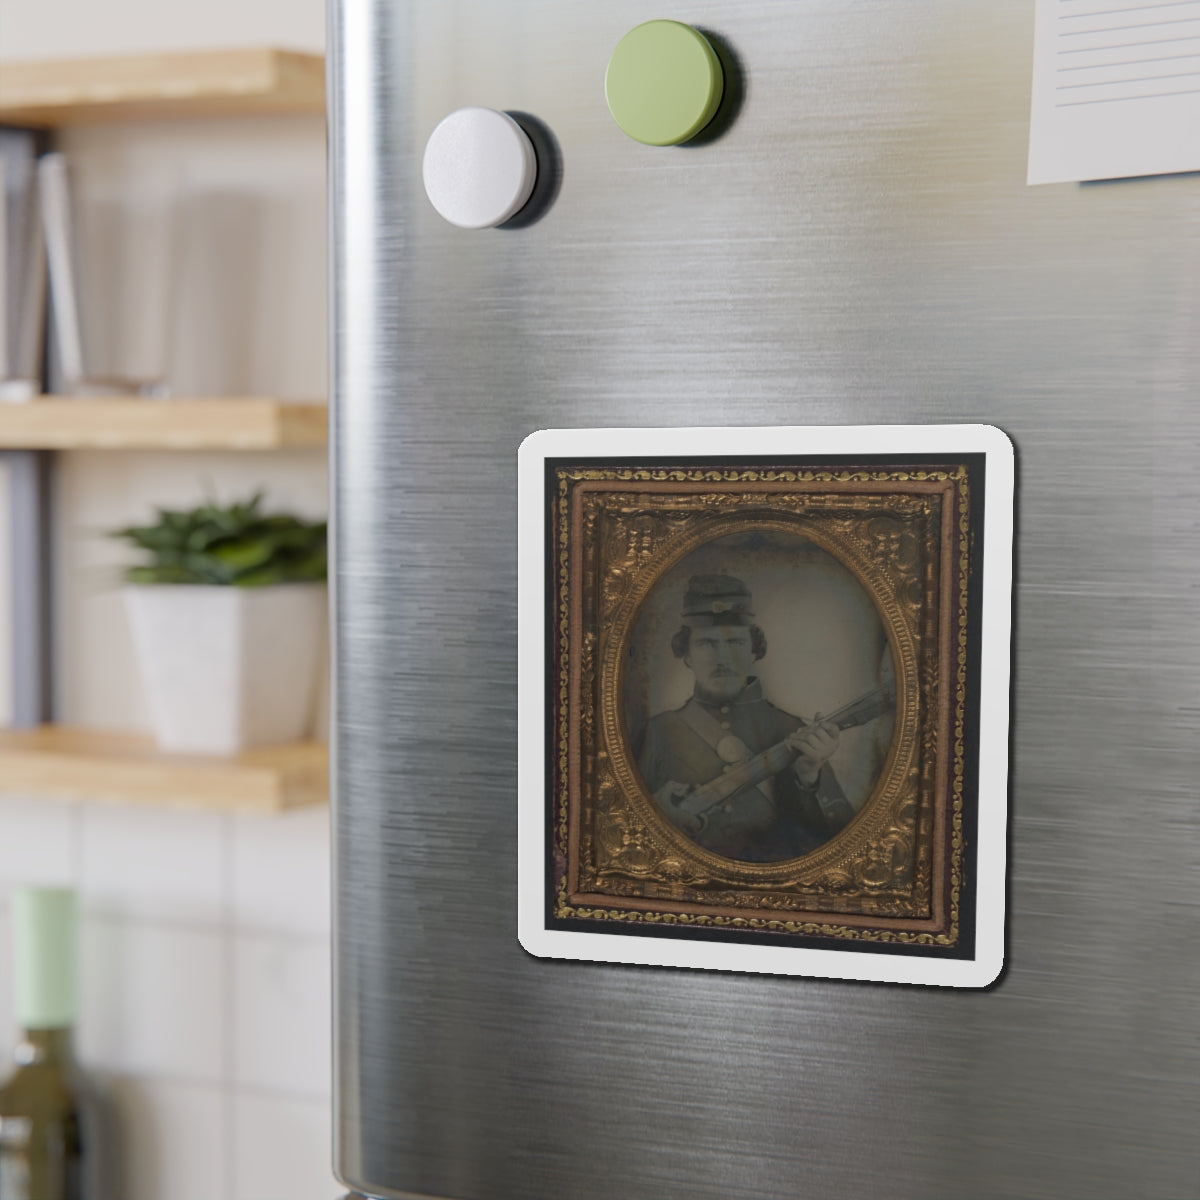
(775, 758)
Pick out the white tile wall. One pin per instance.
(7, 1014)
(281, 1150)
(159, 1000)
(205, 989)
(171, 1140)
(6, 699)
(281, 1015)
(292, 894)
(154, 864)
(38, 842)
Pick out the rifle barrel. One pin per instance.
(775, 758)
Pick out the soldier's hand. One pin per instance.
(815, 743)
(668, 797)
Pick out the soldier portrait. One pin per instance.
(759, 696)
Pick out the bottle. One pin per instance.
(41, 1106)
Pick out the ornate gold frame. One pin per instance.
(894, 874)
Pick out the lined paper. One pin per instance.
(1116, 89)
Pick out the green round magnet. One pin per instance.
(664, 83)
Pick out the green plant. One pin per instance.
(238, 546)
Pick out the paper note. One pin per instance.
(1116, 89)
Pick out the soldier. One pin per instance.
(726, 722)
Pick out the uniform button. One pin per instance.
(724, 724)
(724, 708)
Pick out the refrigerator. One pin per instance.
(848, 244)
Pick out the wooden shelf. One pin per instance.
(81, 764)
(215, 83)
(227, 423)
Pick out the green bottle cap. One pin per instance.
(664, 83)
(44, 922)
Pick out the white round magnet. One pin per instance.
(479, 168)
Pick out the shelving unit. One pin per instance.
(82, 764)
(49, 760)
(218, 83)
(225, 423)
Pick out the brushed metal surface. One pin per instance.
(859, 246)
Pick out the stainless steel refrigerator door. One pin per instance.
(858, 247)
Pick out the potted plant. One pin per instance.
(228, 622)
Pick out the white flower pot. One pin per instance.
(226, 668)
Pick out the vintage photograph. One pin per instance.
(758, 716)
(759, 696)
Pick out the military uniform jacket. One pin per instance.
(780, 818)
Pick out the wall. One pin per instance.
(205, 942)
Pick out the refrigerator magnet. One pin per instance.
(764, 690)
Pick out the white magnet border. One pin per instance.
(995, 653)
